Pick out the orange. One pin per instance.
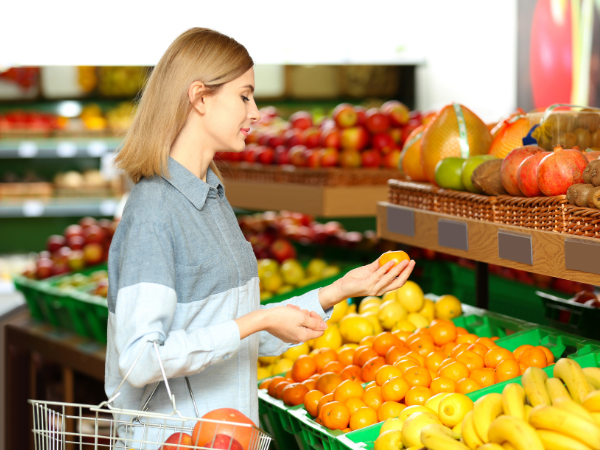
(467, 385)
(367, 340)
(384, 341)
(517, 352)
(460, 331)
(394, 389)
(389, 410)
(466, 339)
(405, 364)
(443, 333)
(434, 360)
(445, 363)
(324, 356)
(279, 389)
(372, 397)
(442, 384)
(418, 357)
(436, 321)
(486, 341)
(484, 377)
(357, 351)
(480, 349)
(288, 376)
(352, 373)
(534, 357)
(458, 349)
(371, 367)
(333, 366)
(345, 356)
(304, 367)
(417, 395)
(294, 393)
(399, 256)
(346, 390)
(433, 374)
(506, 370)
(455, 371)
(354, 404)
(323, 401)
(365, 356)
(364, 417)
(549, 355)
(328, 381)
(496, 355)
(395, 353)
(401, 334)
(264, 384)
(417, 376)
(315, 376)
(310, 384)
(495, 338)
(522, 368)
(311, 402)
(422, 345)
(335, 416)
(385, 373)
(273, 385)
(369, 384)
(446, 349)
(471, 359)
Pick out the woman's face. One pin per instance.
(230, 112)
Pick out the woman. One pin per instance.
(180, 270)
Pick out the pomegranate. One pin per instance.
(590, 156)
(527, 175)
(510, 166)
(559, 170)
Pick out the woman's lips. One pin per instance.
(245, 131)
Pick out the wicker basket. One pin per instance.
(413, 194)
(466, 204)
(582, 221)
(538, 213)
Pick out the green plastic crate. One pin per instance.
(364, 439)
(571, 316)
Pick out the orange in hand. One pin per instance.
(390, 256)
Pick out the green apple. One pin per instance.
(448, 173)
(469, 167)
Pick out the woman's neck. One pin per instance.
(188, 150)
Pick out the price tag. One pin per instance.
(27, 149)
(583, 256)
(515, 247)
(33, 208)
(108, 207)
(97, 148)
(66, 149)
(401, 220)
(453, 234)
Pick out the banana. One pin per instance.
(569, 405)
(468, 432)
(491, 446)
(592, 401)
(528, 409)
(565, 422)
(513, 400)
(534, 383)
(486, 409)
(596, 417)
(557, 441)
(438, 437)
(592, 374)
(516, 431)
(458, 428)
(573, 376)
(556, 389)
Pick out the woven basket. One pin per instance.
(466, 204)
(582, 221)
(538, 213)
(332, 176)
(413, 194)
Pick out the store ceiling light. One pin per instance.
(69, 109)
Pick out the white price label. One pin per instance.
(27, 149)
(33, 208)
(97, 148)
(108, 207)
(66, 149)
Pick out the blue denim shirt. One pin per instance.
(180, 271)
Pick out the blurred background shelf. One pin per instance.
(60, 207)
(57, 147)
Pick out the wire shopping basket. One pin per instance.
(66, 426)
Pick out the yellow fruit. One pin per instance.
(268, 359)
(315, 267)
(410, 410)
(331, 338)
(306, 281)
(371, 307)
(418, 320)
(292, 271)
(347, 346)
(311, 343)
(271, 281)
(390, 312)
(434, 402)
(283, 365)
(404, 325)
(368, 302)
(354, 328)
(388, 440)
(453, 409)
(285, 289)
(263, 372)
(448, 307)
(411, 430)
(265, 295)
(428, 310)
(329, 271)
(351, 309)
(411, 296)
(393, 423)
(372, 317)
(339, 311)
(411, 156)
(295, 352)
(267, 265)
(388, 296)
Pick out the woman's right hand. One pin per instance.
(294, 325)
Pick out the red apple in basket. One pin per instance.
(301, 120)
(297, 155)
(398, 113)
(293, 137)
(93, 233)
(87, 222)
(93, 254)
(355, 138)
(329, 157)
(376, 122)
(330, 138)
(205, 432)
(282, 155)
(383, 142)
(344, 115)
(44, 268)
(312, 137)
(265, 155)
(392, 159)
(361, 114)
(75, 242)
(281, 250)
(370, 158)
(223, 441)
(311, 156)
(73, 230)
(176, 440)
(55, 242)
(350, 158)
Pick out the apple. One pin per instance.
(326, 124)
(396, 135)
(301, 120)
(265, 155)
(107, 224)
(102, 288)
(93, 233)
(350, 158)
(55, 242)
(281, 250)
(252, 137)
(376, 122)
(293, 137)
(249, 154)
(73, 230)
(235, 156)
(75, 242)
(44, 255)
(311, 156)
(44, 268)
(353, 239)
(361, 113)
(282, 155)
(87, 222)
(302, 219)
(330, 138)
(355, 138)
(76, 260)
(223, 441)
(383, 142)
(268, 112)
(312, 137)
(60, 269)
(370, 158)
(61, 256)
(392, 159)
(329, 157)
(174, 442)
(264, 138)
(398, 113)
(93, 254)
(344, 115)
(297, 155)
(275, 141)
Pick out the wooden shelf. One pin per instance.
(548, 248)
(322, 201)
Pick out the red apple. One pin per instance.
(102, 288)
(361, 114)
(281, 250)
(265, 155)
(275, 141)
(44, 268)
(93, 254)
(249, 154)
(398, 113)
(350, 158)
(93, 233)
(73, 230)
(344, 115)
(269, 112)
(236, 156)
(392, 159)
(107, 225)
(282, 155)
(383, 142)
(326, 124)
(376, 122)
(44, 255)
(301, 120)
(396, 134)
(76, 242)
(329, 157)
(311, 137)
(330, 138)
(223, 441)
(76, 260)
(293, 137)
(61, 256)
(311, 156)
(60, 269)
(55, 242)
(370, 158)
(87, 222)
(264, 138)
(252, 137)
(297, 155)
(176, 440)
(355, 138)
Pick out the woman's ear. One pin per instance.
(196, 95)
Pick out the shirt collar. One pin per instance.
(194, 189)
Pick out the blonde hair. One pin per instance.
(199, 54)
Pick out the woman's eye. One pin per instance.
(246, 99)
